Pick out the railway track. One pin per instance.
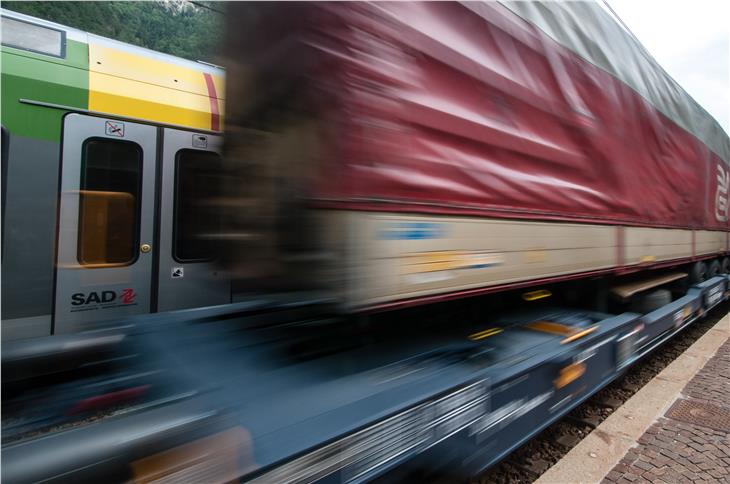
(534, 458)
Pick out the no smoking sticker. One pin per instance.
(114, 128)
(177, 273)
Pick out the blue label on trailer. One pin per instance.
(413, 231)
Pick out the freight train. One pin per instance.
(406, 153)
(510, 159)
(99, 142)
(384, 155)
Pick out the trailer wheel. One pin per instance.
(646, 303)
(725, 266)
(714, 269)
(698, 273)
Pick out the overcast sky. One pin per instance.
(691, 40)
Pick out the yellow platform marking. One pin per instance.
(485, 334)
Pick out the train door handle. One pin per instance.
(144, 248)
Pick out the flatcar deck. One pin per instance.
(354, 414)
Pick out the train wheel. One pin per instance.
(698, 273)
(725, 266)
(714, 269)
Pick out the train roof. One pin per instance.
(595, 34)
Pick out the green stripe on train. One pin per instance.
(26, 75)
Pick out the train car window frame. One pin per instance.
(137, 213)
(4, 150)
(61, 40)
(176, 207)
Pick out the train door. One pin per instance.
(187, 278)
(106, 218)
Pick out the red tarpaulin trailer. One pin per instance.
(478, 117)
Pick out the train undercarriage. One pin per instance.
(276, 389)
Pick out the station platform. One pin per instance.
(675, 429)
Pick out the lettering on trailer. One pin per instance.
(721, 194)
(102, 300)
(412, 231)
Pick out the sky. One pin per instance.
(691, 41)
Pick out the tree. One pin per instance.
(178, 27)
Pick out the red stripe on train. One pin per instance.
(215, 117)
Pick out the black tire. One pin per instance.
(714, 269)
(648, 302)
(725, 266)
(698, 273)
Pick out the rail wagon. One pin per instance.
(405, 153)
(399, 154)
(99, 142)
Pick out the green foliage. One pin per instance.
(176, 27)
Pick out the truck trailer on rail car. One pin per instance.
(470, 147)
(405, 153)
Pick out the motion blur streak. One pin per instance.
(346, 119)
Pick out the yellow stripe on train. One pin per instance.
(134, 85)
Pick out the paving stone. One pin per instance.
(683, 450)
(613, 476)
(705, 465)
(697, 447)
(696, 459)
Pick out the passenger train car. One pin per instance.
(447, 149)
(100, 140)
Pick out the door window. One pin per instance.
(109, 202)
(195, 182)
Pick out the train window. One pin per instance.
(33, 37)
(195, 176)
(109, 202)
